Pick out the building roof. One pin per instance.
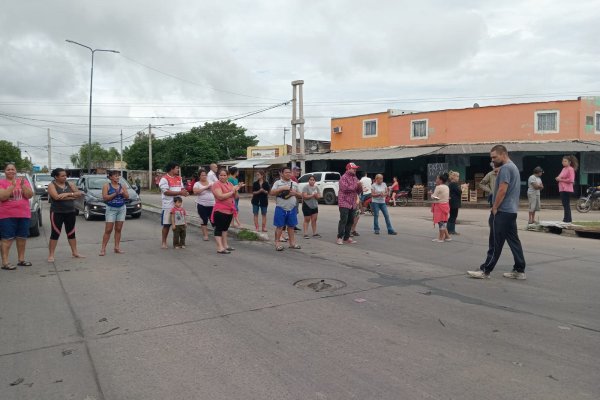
(559, 147)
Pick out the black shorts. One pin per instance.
(57, 220)
(221, 222)
(307, 211)
(204, 212)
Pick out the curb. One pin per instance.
(261, 236)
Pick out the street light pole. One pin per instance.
(91, 88)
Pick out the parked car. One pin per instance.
(92, 205)
(40, 183)
(35, 205)
(327, 182)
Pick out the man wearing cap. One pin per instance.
(349, 189)
(534, 186)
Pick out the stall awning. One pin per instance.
(559, 147)
(389, 153)
(254, 163)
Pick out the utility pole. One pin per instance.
(298, 100)
(49, 151)
(285, 129)
(149, 156)
(121, 152)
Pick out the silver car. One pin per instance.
(35, 205)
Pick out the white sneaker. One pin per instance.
(479, 274)
(437, 240)
(340, 241)
(515, 275)
(448, 240)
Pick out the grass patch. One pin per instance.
(246, 234)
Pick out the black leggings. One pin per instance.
(565, 198)
(221, 222)
(58, 219)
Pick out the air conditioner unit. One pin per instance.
(337, 129)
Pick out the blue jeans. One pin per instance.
(376, 207)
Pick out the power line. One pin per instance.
(192, 82)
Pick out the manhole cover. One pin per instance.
(320, 284)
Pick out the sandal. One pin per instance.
(9, 267)
(306, 237)
(279, 248)
(296, 246)
(316, 235)
(224, 251)
(24, 264)
(231, 248)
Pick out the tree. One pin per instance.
(205, 144)
(99, 155)
(11, 153)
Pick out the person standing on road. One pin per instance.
(440, 207)
(534, 187)
(179, 223)
(212, 173)
(286, 192)
(138, 185)
(455, 201)
(565, 180)
(379, 192)
(233, 179)
(170, 185)
(394, 190)
(115, 197)
(224, 210)
(488, 183)
(205, 201)
(15, 215)
(349, 189)
(310, 207)
(366, 183)
(62, 195)
(503, 218)
(260, 199)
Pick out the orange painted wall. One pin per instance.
(512, 122)
(352, 132)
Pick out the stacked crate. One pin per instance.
(418, 192)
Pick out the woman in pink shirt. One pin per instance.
(565, 180)
(15, 214)
(224, 210)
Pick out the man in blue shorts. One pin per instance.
(286, 193)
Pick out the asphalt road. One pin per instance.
(408, 324)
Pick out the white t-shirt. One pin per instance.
(206, 198)
(211, 176)
(379, 189)
(172, 183)
(366, 183)
(530, 182)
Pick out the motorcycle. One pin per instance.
(590, 201)
(401, 200)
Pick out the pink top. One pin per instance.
(16, 206)
(567, 176)
(226, 206)
(441, 212)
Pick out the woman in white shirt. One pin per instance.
(205, 200)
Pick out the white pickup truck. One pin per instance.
(327, 182)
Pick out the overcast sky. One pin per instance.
(185, 62)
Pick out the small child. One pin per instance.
(441, 208)
(178, 223)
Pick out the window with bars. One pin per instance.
(370, 127)
(418, 129)
(598, 122)
(546, 121)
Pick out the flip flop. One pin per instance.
(205, 239)
(279, 248)
(296, 246)
(9, 267)
(102, 253)
(316, 235)
(231, 248)
(24, 264)
(119, 251)
(224, 251)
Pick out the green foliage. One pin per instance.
(245, 234)
(209, 143)
(11, 153)
(99, 155)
